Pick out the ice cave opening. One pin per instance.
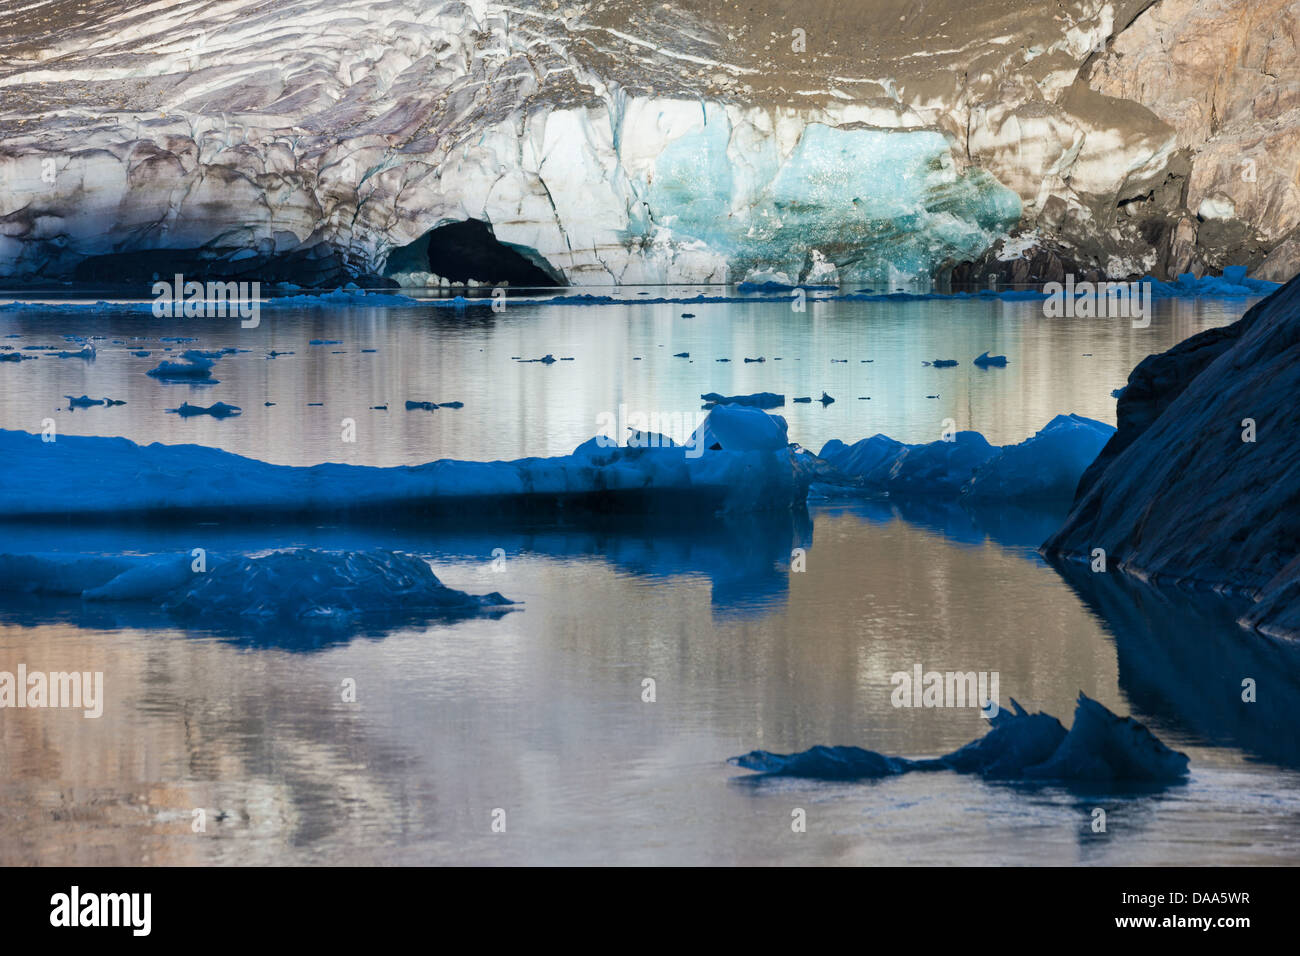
(460, 251)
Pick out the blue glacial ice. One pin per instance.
(1099, 748)
(194, 367)
(85, 401)
(1045, 466)
(990, 361)
(894, 198)
(739, 460)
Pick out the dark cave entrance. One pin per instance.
(460, 251)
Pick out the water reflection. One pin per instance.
(1183, 658)
(963, 522)
(746, 560)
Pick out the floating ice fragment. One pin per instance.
(1047, 465)
(216, 410)
(1100, 748)
(87, 354)
(756, 400)
(85, 401)
(194, 367)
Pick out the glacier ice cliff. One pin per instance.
(1099, 748)
(314, 141)
(1200, 484)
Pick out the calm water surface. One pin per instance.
(540, 712)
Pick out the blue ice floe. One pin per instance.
(1100, 748)
(1045, 466)
(195, 367)
(756, 400)
(431, 406)
(739, 460)
(990, 361)
(215, 410)
(85, 401)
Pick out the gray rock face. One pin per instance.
(1201, 483)
(1225, 75)
(615, 141)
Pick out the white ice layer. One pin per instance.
(287, 125)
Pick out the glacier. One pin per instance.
(1099, 749)
(323, 141)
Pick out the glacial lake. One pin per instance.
(540, 712)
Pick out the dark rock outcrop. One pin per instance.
(1201, 483)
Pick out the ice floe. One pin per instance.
(756, 400)
(1099, 748)
(739, 460)
(1046, 465)
(215, 410)
(194, 367)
